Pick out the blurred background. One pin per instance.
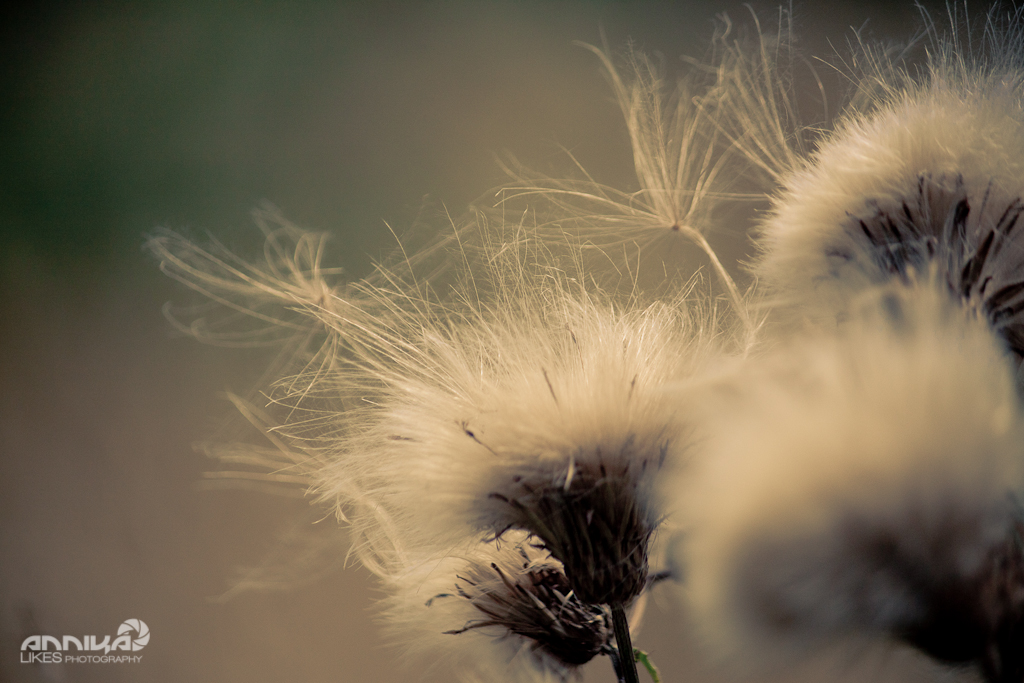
(118, 118)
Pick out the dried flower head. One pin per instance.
(523, 399)
(504, 610)
(549, 419)
(923, 172)
(597, 520)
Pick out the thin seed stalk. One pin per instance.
(627, 663)
(723, 275)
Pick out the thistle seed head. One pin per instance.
(925, 174)
(596, 520)
(535, 601)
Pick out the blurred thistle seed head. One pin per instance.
(500, 610)
(858, 485)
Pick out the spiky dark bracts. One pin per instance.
(594, 521)
(536, 603)
(970, 239)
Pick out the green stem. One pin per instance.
(643, 659)
(627, 663)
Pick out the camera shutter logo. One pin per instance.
(140, 628)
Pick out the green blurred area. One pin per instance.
(119, 117)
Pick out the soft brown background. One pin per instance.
(116, 118)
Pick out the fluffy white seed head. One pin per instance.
(859, 486)
(545, 415)
(520, 396)
(929, 172)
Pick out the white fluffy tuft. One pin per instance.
(919, 170)
(847, 478)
